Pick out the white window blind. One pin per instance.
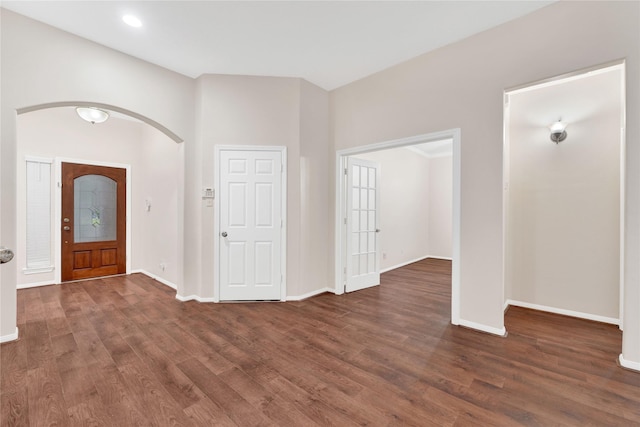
(38, 216)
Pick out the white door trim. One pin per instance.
(341, 156)
(602, 68)
(57, 217)
(216, 204)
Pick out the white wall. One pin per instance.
(404, 205)
(160, 178)
(440, 206)
(563, 233)
(154, 159)
(415, 206)
(461, 86)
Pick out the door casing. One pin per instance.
(340, 204)
(216, 207)
(58, 209)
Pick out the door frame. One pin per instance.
(216, 206)
(57, 202)
(340, 204)
(560, 79)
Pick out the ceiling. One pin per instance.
(329, 43)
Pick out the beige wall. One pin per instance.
(461, 86)
(563, 230)
(315, 269)
(155, 162)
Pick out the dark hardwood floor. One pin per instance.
(124, 352)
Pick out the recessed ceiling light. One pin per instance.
(132, 21)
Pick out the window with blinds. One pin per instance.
(38, 227)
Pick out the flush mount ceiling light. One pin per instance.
(132, 21)
(92, 114)
(558, 132)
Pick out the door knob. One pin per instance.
(224, 234)
(6, 255)
(377, 230)
(66, 228)
(66, 220)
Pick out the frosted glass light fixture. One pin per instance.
(558, 132)
(92, 114)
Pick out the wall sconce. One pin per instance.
(92, 115)
(558, 132)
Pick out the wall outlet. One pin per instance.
(162, 266)
(384, 255)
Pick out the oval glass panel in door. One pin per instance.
(95, 208)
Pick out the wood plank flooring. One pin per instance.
(124, 352)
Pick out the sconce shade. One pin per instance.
(92, 115)
(558, 132)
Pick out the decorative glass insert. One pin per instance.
(95, 208)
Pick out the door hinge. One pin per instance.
(345, 271)
(281, 279)
(281, 223)
(346, 171)
(281, 168)
(345, 221)
(59, 185)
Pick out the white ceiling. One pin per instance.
(329, 43)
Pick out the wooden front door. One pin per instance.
(93, 221)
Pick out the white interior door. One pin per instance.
(250, 225)
(362, 229)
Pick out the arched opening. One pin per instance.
(153, 156)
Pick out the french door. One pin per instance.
(362, 224)
(251, 224)
(93, 227)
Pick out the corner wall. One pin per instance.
(275, 111)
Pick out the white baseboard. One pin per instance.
(309, 294)
(414, 260)
(193, 298)
(158, 278)
(629, 364)
(35, 285)
(502, 332)
(446, 258)
(14, 336)
(564, 312)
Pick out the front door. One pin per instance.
(363, 201)
(250, 244)
(93, 221)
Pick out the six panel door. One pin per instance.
(250, 225)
